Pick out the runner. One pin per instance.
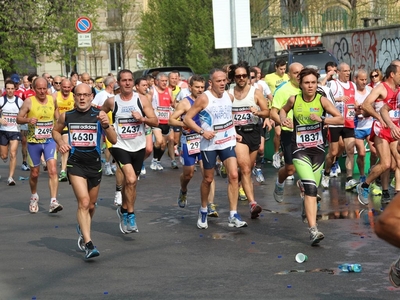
(308, 147)
(85, 125)
(218, 138)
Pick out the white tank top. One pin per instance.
(9, 112)
(217, 117)
(241, 112)
(362, 122)
(130, 132)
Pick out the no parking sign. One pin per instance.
(83, 25)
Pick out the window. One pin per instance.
(116, 56)
(114, 15)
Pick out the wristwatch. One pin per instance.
(201, 132)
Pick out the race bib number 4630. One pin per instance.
(83, 135)
(43, 130)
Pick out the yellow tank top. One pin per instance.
(44, 113)
(65, 104)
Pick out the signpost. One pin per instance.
(83, 25)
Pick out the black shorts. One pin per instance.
(91, 172)
(286, 144)
(7, 136)
(164, 128)
(123, 157)
(250, 138)
(176, 128)
(335, 133)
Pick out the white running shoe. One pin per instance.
(55, 207)
(107, 169)
(351, 184)
(276, 160)
(143, 170)
(325, 181)
(33, 205)
(236, 221)
(159, 166)
(153, 164)
(202, 220)
(114, 168)
(118, 198)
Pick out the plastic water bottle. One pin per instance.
(350, 268)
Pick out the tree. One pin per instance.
(31, 28)
(179, 32)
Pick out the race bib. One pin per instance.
(193, 143)
(129, 128)
(350, 111)
(308, 136)
(222, 133)
(10, 118)
(43, 130)
(242, 116)
(163, 113)
(394, 115)
(83, 135)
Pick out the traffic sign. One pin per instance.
(83, 25)
(84, 40)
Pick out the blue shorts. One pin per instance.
(189, 160)
(7, 136)
(362, 134)
(210, 157)
(35, 151)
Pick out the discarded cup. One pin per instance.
(23, 178)
(300, 258)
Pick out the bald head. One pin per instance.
(39, 81)
(83, 88)
(294, 71)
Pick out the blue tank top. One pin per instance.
(196, 119)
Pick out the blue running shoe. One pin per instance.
(81, 241)
(123, 221)
(362, 194)
(90, 253)
(363, 178)
(131, 225)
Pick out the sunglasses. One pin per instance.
(374, 76)
(55, 82)
(240, 76)
(253, 77)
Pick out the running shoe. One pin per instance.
(107, 169)
(218, 168)
(394, 273)
(290, 177)
(236, 221)
(131, 226)
(143, 170)
(255, 211)
(212, 210)
(325, 181)
(263, 161)
(315, 235)
(278, 193)
(363, 178)
(259, 175)
(81, 241)
(174, 165)
(362, 194)
(33, 205)
(114, 168)
(334, 172)
(63, 176)
(202, 220)
(55, 207)
(25, 167)
(242, 194)
(159, 166)
(223, 172)
(118, 198)
(351, 184)
(10, 181)
(338, 170)
(153, 165)
(276, 160)
(182, 201)
(90, 253)
(123, 221)
(385, 197)
(375, 189)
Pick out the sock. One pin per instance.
(365, 185)
(89, 245)
(124, 210)
(183, 192)
(349, 178)
(118, 188)
(35, 195)
(158, 153)
(280, 184)
(326, 173)
(131, 213)
(385, 192)
(232, 213)
(253, 203)
(53, 199)
(203, 209)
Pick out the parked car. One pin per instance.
(317, 56)
(185, 72)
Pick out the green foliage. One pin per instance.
(31, 28)
(179, 32)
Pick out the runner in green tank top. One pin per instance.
(309, 109)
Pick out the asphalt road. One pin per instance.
(170, 258)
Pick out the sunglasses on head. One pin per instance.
(374, 76)
(240, 76)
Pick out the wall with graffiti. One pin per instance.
(366, 49)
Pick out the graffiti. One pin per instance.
(341, 51)
(363, 50)
(389, 51)
(309, 41)
(261, 49)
